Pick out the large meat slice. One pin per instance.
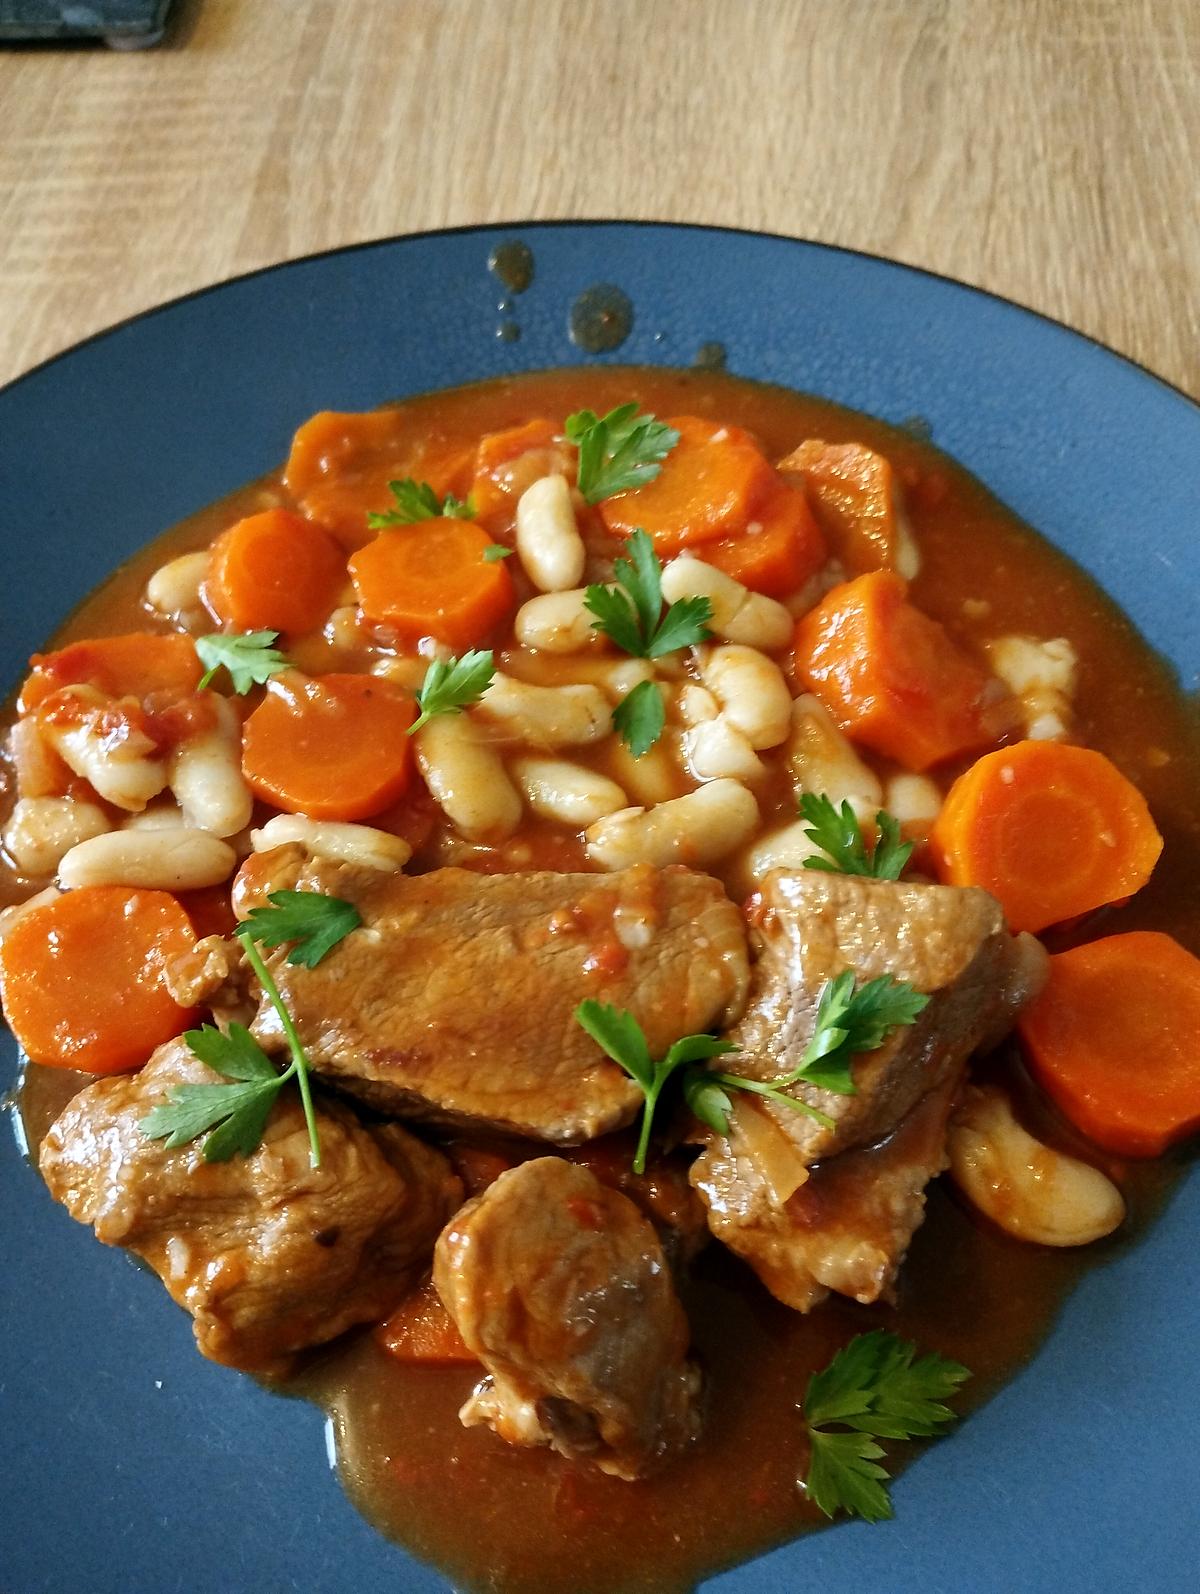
(268, 1254)
(559, 1285)
(810, 1207)
(456, 1000)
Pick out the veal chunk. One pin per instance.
(560, 1287)
(268, 1254)
(836, 1232)
(456, 1000)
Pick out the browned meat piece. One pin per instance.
(949, 943)
(560, 1287)
(455, 1002)
(266, 1253)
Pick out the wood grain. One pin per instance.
(1046, 149)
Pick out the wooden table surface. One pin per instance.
(1046, 149)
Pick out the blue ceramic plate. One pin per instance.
(133, 1466)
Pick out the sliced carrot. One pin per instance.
(854, 493)
(83, 978)
(134, 664)
(275, 571)
(340, 465)
(709, 487)
(890, 676)
(1112, 1039)
(333, 748)
(421, 1330)
(1052, 831)
(498, 480)
(779, 550)
(431, 579)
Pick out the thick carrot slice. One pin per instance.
(1051, 831)
(340, 465)
(709, 487)
(82, 978)
(889, 675)
(275, 571)
(499, 480)
(854, 493)
(1112, 1039)
(333, 748)
(431, 579)
(779, 550)
(132, 665)
(421, 1330)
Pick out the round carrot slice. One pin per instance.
(83, 978)
(334, 748)
(708, 487)
(431, 579)
(1112, 1039)
(1051, 831)
(779, 550)
(274, 571)
(133, 664)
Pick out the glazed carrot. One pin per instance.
(779, 550)
(1112, 1039)
(134, 664)
(709, 487)
(421, 1330)
(854, 494)
(496, 485)
(890, 676)
(275, 571)
(431, 579)
(1052, 831)
(82, 978)
(333, 748)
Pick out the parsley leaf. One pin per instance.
(619, 451)
(496, 551)
(418, 501)
(249, 658)
(620, 1036)
(839, 835)
(631, 612)
(451, 685)
(639, 717)
(874, 1388)
(314, 921)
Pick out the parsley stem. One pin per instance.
(299, 1060)
(770, 1088)
(639, 1161)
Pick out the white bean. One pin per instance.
(466, 779)
(38, 768)
(1028, 1189)
(1041, 675)
(696, 829)
(786, 848)
(570, 793)
(118, 766)
(160, 860)
(205, 774)
(404, 669)
(907, 557)
(338, 842)
(738, 615)
(912, 799)
(174, 588)
(652, 778)
(41, 830)
(752, 692)
(162, 815)
(11, 917)
(822, 760)
(341, 630)
(556, 622)
(697, 704)
(546, 716)
(548, 541)
(715, 749)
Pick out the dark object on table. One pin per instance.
(122, 24)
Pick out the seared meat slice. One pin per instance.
(560, 1287)
(456, 1000)
(949, 943)
(266, 1253)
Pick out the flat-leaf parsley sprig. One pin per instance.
(452, 685)
(249, 657)
(418, 501)
(876, 1387)
(839, 835)
(618, 451)
(312, 920)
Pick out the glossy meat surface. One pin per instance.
(455, 1001)
(951, 944)
(268, 1254)
(561, 1288)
